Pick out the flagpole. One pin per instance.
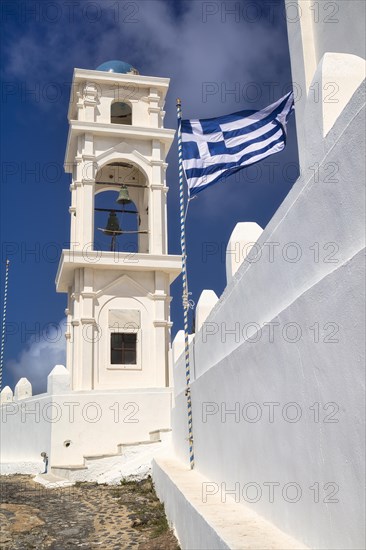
(4, 323)
(185, 296)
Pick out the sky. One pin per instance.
(221, 57)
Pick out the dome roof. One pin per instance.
(116, 66)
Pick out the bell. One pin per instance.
(112, 224)
(123, 197)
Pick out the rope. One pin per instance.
(187, 303)
(4, 324)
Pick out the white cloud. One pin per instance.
(188, 49)
(38, 358)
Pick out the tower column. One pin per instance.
(161, 328)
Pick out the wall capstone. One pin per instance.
(242, 240)
(59, 380)
(23, 389)
(6, 395)
(205, 304)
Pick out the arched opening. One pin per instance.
(121, 209)
(121, 113)
(116, 225)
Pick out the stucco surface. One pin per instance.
(278, 367)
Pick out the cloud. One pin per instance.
(192, 47)
(39, 357)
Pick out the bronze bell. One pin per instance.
(112, 224)
(123, 197)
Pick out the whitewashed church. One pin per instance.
(116, 388)
(290, 477)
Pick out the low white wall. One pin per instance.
(93, 422)
(25, 432)
(193, 529)
(203, 524)
(286, 340)
(280, 412)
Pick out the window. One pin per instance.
(121, 113)
(123, 348)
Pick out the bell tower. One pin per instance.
(117, 271)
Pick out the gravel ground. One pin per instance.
(85, 516)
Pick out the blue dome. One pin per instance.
(116, 66)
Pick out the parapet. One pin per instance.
(59, 380)
(6, 395)
(23, 389)
(242, 240)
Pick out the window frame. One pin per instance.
(124, 347)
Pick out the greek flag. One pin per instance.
(215, 148)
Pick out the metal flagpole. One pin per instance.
(4, 324)
(185, 297)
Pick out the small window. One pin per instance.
(121, 113)
(123, 348)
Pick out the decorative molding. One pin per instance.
(161, 297)
(142, 158)
(88, 321)
(88, 294)
(159, 187)
(160, 323)
(132, 282)
(88, 157)
(88, 181)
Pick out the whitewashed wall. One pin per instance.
(69, 425)
(25, 432)
(327, 51)
(296, 349)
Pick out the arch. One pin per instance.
(121, 112)
(110, 178)
(116, 156)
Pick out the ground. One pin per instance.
(86, 515)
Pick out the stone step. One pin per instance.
(98, 457)
(123, 446)
(51, 481)
(159, 435)
(156, 436)
(65, 471)
(70, 467)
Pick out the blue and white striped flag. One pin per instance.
(215, 148)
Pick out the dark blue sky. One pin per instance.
(221, 57)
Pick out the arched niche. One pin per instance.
(121, 112)
(132, 217)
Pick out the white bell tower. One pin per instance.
(118, 298)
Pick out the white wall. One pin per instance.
(25, 432)
(94, 423)
(230, 371)
(327, 51)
